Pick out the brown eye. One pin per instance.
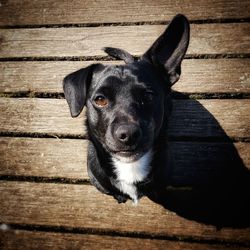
(101, 101)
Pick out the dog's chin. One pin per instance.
(127, 156)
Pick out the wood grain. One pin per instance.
(84, 207)
(198, 76)
(205, 118)
(190, 118)
(21, 239)
(47, 157)
(39, 116)
(35, 12)
(87, 41)
(194, 162)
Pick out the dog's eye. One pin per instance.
(101, 101)
(147, 97)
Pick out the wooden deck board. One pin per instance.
(194, 162)
(45, 157)
(21, 239)
(190, 118)
(37, 12)
(198, 76)
(229, 38)
(76, 206)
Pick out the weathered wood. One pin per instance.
(192, 118)
(38, 116)
(194, 162)
(218, 166)
(54, 42)
(198, 76)
(21, 239)
(205, 118)
(45, 157)
(84, 207)
(214, 76)
(26, 12)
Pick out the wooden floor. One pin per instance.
(46, 200)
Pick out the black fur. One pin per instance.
(119, 54)
(138, 106)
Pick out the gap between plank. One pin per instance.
(108, 58)
(174, 94)
(80, 25)
(42, 135)
(69, 181)
(40, 179)
(85, 137)
(141, 235)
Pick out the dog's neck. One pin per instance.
(129, 174)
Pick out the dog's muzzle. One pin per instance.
(126, 141)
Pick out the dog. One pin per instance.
(128, 107)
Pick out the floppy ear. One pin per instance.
(75, 86)
(169, 49)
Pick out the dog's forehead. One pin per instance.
(114, 74)
(135, 74)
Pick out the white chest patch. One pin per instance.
(130, 173)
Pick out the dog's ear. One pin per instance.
(75, 86)
(169, 49)
(119, 54)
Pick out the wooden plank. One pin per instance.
(39, 116)
(194, 163)
(214, 76)
(45, 157)
(76, 206)
(21, 239)
(198, 76)
(215, 118)
(201, 163)
(190, 118)
(14, 12)
(88, 41)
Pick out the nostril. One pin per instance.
(128, 134)
(122, 136)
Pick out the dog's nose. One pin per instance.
(128, 134)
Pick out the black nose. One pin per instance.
(128, 134)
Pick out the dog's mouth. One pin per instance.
(127, 155)
(128, 152)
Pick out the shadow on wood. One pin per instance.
(213, 192)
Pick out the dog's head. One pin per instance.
(126, 103)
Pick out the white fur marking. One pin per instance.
(130, 173)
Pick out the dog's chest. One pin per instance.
(128, 174)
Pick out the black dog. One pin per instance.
(127, 110)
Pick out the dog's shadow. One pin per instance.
(208, 181)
